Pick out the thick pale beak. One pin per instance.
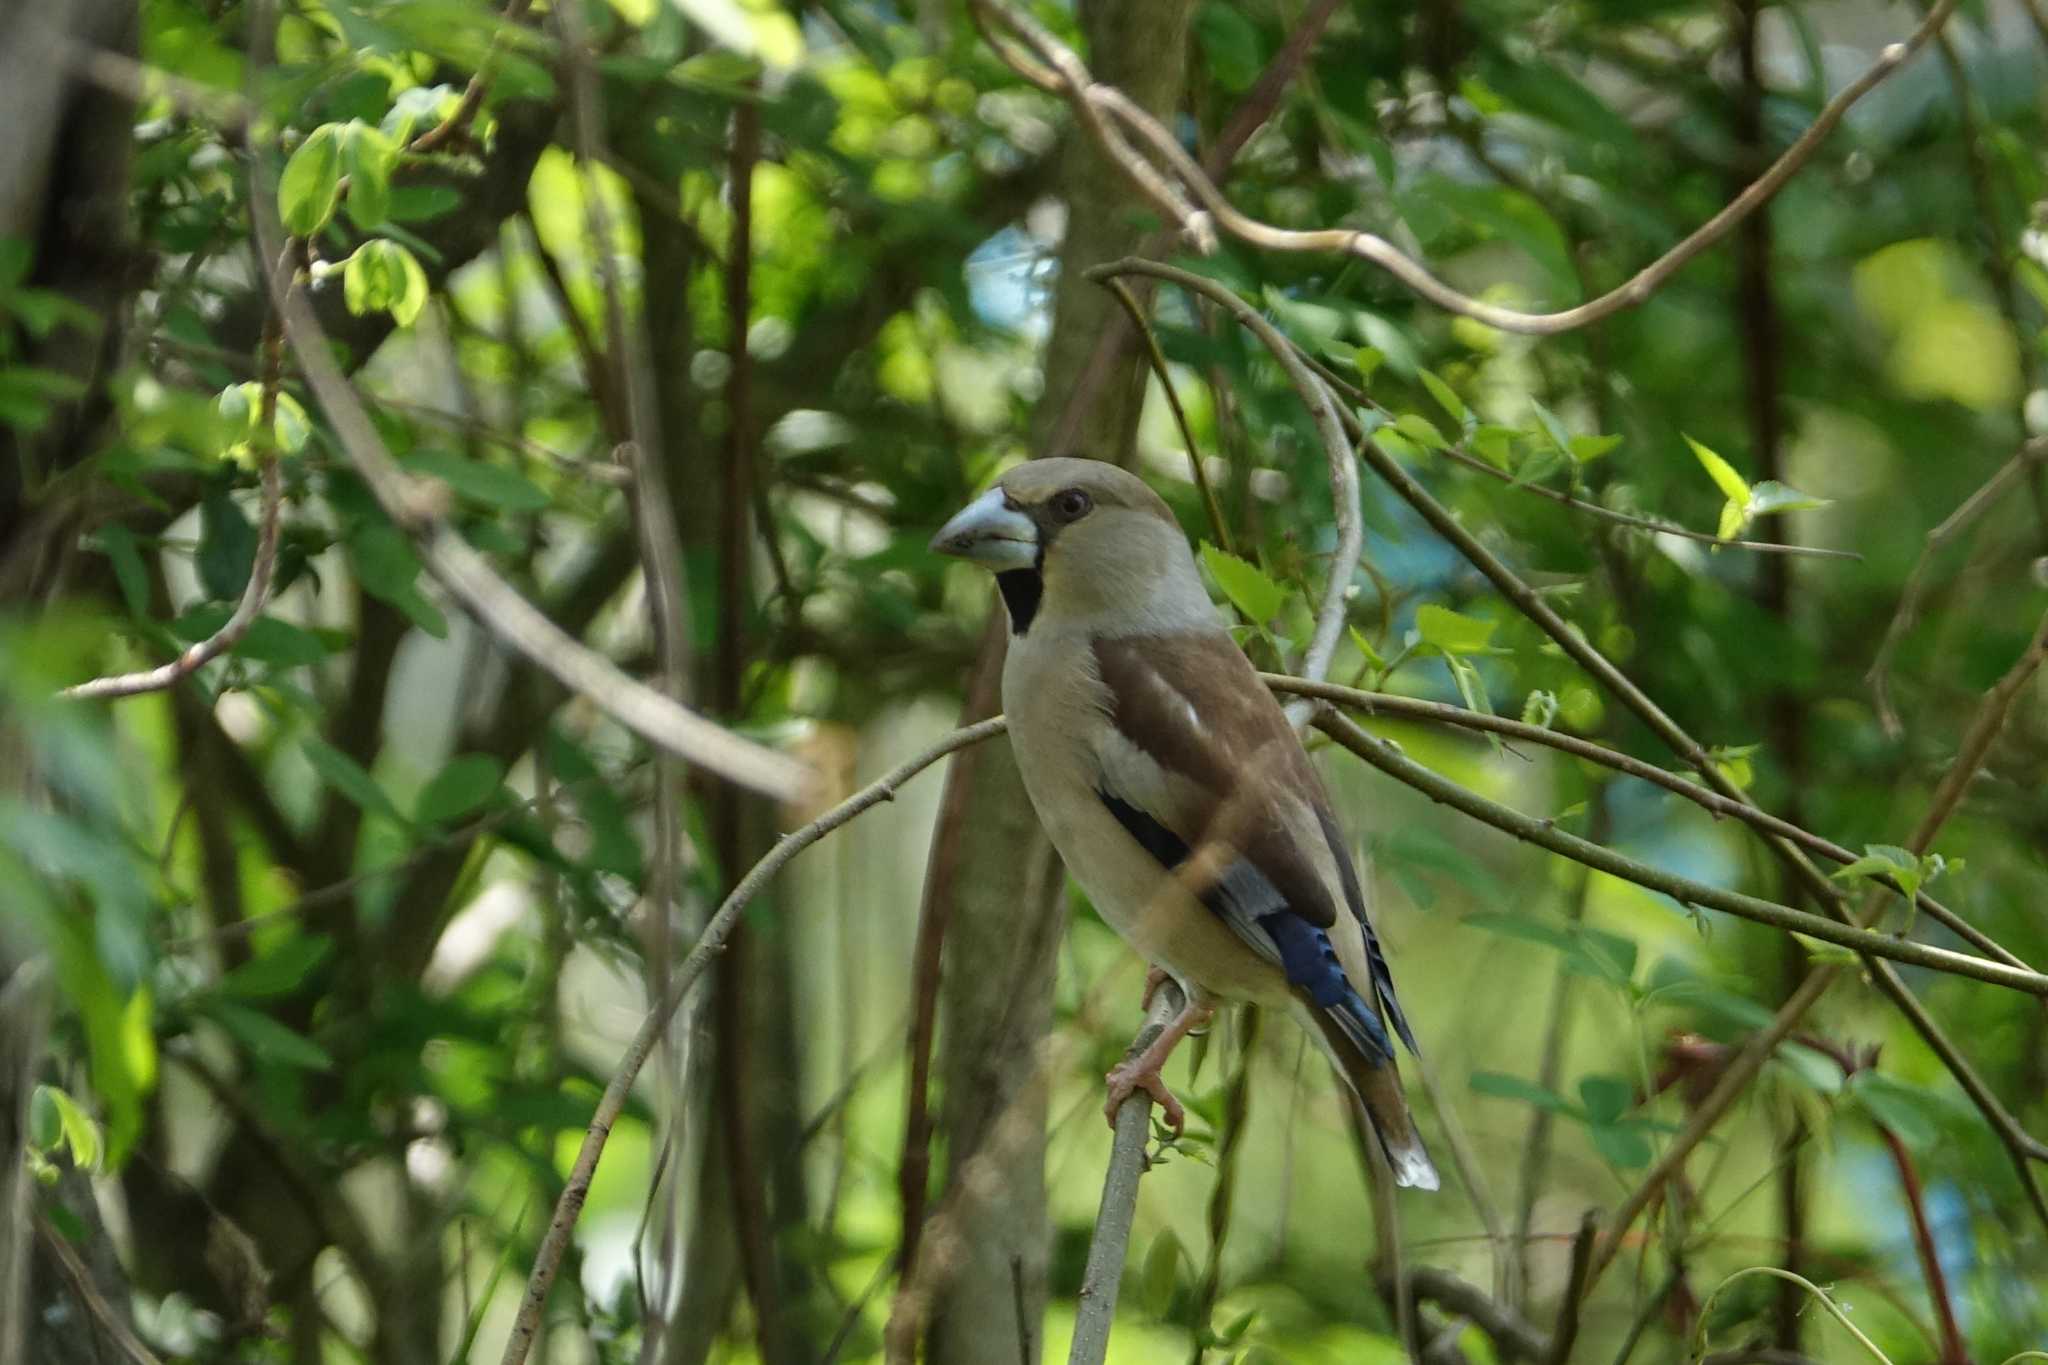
(990, 532)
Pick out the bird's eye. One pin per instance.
(1070, 504)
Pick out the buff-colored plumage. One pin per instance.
(1171, 783)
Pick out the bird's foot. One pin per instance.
(1127, 1078)
(1155, 977)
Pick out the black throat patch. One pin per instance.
(1021, 589)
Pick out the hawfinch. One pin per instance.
(1172, 785)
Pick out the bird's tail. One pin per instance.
(1374, 1082)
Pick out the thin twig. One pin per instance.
(2020, 1146)
(1098, 106)
(1513, 1336)
(262, 570)
(494, 602)
(1987, 496)
(1418, 708)
(1136, 313)
(570, 1205)
(465, 110)
(79, 1277)
(1545, 834)
(1457, 454)
(1566, 1334)
(1953, 1352)
(1324, 412)
(1747, 1061)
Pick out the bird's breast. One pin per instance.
(1059, 724)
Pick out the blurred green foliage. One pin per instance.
(347, 927)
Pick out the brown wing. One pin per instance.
(1233, 771)
(1217, 766)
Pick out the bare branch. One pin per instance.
(1986, 497)
(1417, 708)
(1457, 454)
(262, 569)
(1545, 834)
(1108, 115)
(494, 602)
(459, 118)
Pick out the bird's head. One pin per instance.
(1082, 542)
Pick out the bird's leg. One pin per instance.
(1155, 977)
(1142, 1071)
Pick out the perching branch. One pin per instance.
(1126, 1157)
(262, 570)
(613, 1102)
(1109, 117)
(1095, 1306)
(415, 508)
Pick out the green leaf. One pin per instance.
(1495, 445)
(281, 644)
(1367, 360)
(384, 277)
(117, 542)
(1452, 633)
(1606, 1098)
(1506, 1087)
(1900, 1107)
(467, 782)
(227, 546)
(348, 777)
(1623, 1145)
(1879, 860)
(311, 183)
(266, 1039)
(1601, 955)
(1553, 427)
(1733, 519)
(368, 158)
(1257, 598)
(280, 970)
(1524, 927)
(1160, 1275)
(387, 569)
(1365, 648)
(1586, 449)
(1230, 46)
(1420, 430)
(78, 1130)
(1771, 496)
(483, 482)
(1724, 476)
(1819, 1071)
(290, 427)
(1445, 396)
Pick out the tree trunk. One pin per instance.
(994, 884)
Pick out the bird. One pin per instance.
(1172, 785)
